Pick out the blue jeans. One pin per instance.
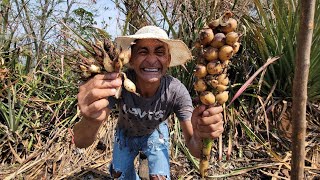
(155, 146)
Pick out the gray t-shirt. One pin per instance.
(141, 116)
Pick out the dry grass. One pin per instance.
(56, 157)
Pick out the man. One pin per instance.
(142, 124)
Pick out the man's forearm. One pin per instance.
(85, 132)
(195, 146)
(193, 142)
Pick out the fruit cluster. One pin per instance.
(103, 56)
(218, 42)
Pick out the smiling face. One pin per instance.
(150, 60)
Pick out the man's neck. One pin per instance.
(147, 90)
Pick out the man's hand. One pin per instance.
(207, 123)
(93, 101)
(92, 96)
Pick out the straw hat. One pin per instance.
(179, 51)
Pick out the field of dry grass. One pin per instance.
(56, 157)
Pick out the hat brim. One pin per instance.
(180, 53)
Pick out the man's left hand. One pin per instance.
(207, 121)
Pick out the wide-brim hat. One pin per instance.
(179, 51)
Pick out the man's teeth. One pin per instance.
(151, 69)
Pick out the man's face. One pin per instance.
(150, 60)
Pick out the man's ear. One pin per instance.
(169, 59)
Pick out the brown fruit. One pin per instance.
(129, 85)
(207, 98)
(200, 71)
(213, 24)
(213, 82)
(125, 56)
(214, 67)
(211, 53)
(231, 38)
(225, 52)
(108, 64)
(218, 41)
(223, 20)
(231, 25)
(236, 47)
(86, 74)
(94, 68)
(200, 85)
(221, 87)
(206, 36)
(83, 68)
(222, 76)
(223, 79)
(225, 64)
(222, 97)
(91, 60)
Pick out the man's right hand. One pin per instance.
(93, 95)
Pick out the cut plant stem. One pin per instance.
(205, 156)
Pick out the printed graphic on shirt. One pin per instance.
(151, 115)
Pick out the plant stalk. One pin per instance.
(205, 156)
(300, 86)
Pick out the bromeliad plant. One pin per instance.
(273, 32)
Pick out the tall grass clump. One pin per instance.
(271, 31)
(35, 103)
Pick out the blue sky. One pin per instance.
(107, 12)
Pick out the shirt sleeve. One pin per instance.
(183, 107)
